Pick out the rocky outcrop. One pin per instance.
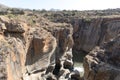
(92, 32)
(33, 48)
(3, 51)
(39, 52)
(102, 63)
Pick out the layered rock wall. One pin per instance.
(102, 63)
(43, 51)
(94, 32)
(39, 52)
(99, 37)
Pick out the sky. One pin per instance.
(63, 4)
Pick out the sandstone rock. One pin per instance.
(2, 28)
(15, 59)
(33, 53)
(15, 27)
(63, 53)
(3, 53)
(64, 74)
(41, 51)
(96, 31)
(83, 30)
(12, 25)
(50, 76)
(75, 75)
(102, 63)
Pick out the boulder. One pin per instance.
(15, 27)
(102, 63)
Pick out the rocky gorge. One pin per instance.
(35, 52)
(34, 48)
(100, 39)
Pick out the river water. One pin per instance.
(78, 58)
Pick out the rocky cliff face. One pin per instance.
(94, 32)
(102, 63)
(42, 51)
(97, 34)
(33, 48)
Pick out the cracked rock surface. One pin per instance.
(41, 51)
(102, 63)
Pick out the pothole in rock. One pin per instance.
(78, 57)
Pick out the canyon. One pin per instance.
(33, 47)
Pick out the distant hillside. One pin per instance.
(56, 15)
(3, 6)
(68, 15)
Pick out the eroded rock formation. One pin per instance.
(102, 63)
(94, 32)
(33, 48)
(42, 51)
(97, 34)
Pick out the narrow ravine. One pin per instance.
(78, 58)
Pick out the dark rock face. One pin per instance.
(94, 32)
(97, 34)
(102, 63)
(82, 32)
